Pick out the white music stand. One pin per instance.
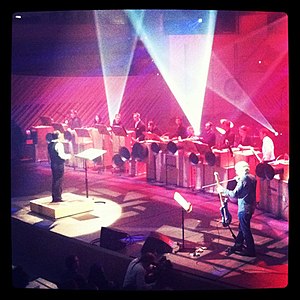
(89, 154)
(185, 207)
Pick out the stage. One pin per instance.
(137, 208)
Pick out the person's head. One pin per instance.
(98, 118)
(190, 130)
(243, 130)
(117, 118)
(241, 168)
(96, 273)
(73, 113)
(150, 125)
(263, 132)
(136, 117)
(147, 259)
(57, 135)
(178, 120)
(227, 125)
(208, 125)
(72, 262)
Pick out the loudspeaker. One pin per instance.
(113, 239)
(157, 242)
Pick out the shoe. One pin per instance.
(58, 200)
(233, 249)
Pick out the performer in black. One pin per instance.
(73, 121)
(180, 131)
(57, 157)
(245, 194)
(208, 136)
(139, 127)
(228, 135)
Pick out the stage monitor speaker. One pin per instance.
(157, 242)
(113, 239)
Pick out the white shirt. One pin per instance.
(59, 147)
(267, 149)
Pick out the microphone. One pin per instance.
(227, 144)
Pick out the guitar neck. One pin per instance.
(216, 174)
(256, 155)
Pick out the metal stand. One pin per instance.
(86, 179)
(89, 154)
(182, 247)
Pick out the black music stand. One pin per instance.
(102, 129)
(185, 207)
(58, 126)
(202, 148)
(119, 130)
(89, 154)
(82, 132)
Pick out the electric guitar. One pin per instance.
(226, 216)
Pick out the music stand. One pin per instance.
(185, 207)
(119, 130)
(58, 126)
(102, 129)
(151, 136)
(89, 154)
(82, 132)
(202, 148)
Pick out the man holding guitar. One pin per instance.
(245, 194)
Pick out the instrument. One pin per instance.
(264, 170)
(229, 147)
(222, 121)
(226, 216)
(224, 181)
(220, 130)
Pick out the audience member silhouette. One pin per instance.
(20, 279)
(97, 279)
(72, 278)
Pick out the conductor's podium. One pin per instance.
(72, 205)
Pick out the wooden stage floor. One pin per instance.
(138, 208)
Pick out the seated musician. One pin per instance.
(267, 148)
(228, 136)
(117, 121)
(208, 136)
(152, 128)
(73, 121)
(243, 139)
(180, 131)
(97, 120)
(191, 134)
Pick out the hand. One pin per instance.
(220, 189)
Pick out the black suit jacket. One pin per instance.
(139, 129)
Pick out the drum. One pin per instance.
(210, 158)
(139, 151)
(124, 153)
(155, 148)
(193, 158)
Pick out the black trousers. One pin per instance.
(57, 181)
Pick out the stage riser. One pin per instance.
(274, 197)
